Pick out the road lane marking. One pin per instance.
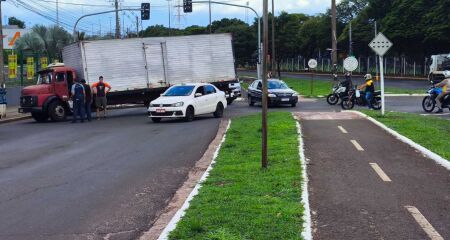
(423, 222)
(380, 172)
(357, 146)
(342, 129)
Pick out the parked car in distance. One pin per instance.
(279, 93)
(187, 101)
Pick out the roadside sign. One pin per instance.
(30, 68)
(312, 63)
(380, 44)
(44, 62)
(12, 66)
(350, 64)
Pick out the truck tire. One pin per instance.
(219, 110)
(57, 111)
(190, 114)
(39, 117)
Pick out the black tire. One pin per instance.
(293, 104)
(219, 110)
(332, 99)
(428, 104)
(190, 114)
(147, 104)
(40, 117)
(251, 103)
(347, 104)
(156, 119)
(57, 111)
(376, 103)
(230, 101)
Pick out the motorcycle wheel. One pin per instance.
(376, 103)
(332, 99)
(428, 104)
(347, 104)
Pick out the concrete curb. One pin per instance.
(307, 226)
(426, 152)
(406, 95)
(14, 119)
(175, 210)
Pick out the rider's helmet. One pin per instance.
(447, 74)
(368, 76)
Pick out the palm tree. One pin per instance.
(30, 41)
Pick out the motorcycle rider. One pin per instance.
(369, 89)
(446, 84)
(347, 83)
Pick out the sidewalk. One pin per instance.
(12, 114)
(366, 184)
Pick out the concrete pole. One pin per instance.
(210, 27)
(350, 47)
(274, 59)
(170, 16)
(333, 31)
(264, 162)
(383, 107)
(116, 6)
(2, 78)
(57, 13)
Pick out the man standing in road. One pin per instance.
(78, 96)
(370, 89)
(88, 100)
(101, 88)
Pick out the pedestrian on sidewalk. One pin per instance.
(78, 97)
(445, 84)
(369, 89)
(88, 100)
(101, 89)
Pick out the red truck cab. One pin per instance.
(49, 97)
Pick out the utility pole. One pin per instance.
(264, 162)
(110, 26)
(116, 6)
(170, 16)
(333, 32)
(376, 57)
(274, 59)
(137, 26)
(210, 27)
(57, 13)
(350, 43)
(100, 23)
(2, 78)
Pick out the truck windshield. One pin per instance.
(179, 91)
(45, 78)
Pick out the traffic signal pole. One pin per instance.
(264, 162)
(2, 78)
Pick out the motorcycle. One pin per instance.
(338, 92)
(358, 97)
(429, 102)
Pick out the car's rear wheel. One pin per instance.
(156, 119)
(40, 117)
(219, 110)
(293, 104)
(190, 114)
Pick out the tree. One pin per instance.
(15, 21)
(347, 10)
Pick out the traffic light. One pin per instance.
(187, 6)
(145, 11)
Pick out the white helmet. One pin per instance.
(447, 74)
(368, 76)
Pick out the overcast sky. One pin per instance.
(159, 12)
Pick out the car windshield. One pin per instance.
(44, 78)
(277, 85)
(179, 91)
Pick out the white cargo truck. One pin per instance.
(140, 69)
(439, 64)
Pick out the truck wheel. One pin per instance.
(57, 111)
(219, 111)
(156, 120)
(39, 117)
(190, 114)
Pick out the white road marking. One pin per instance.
(380, 172)
(357, 146)
(342, 129)
(423, 222)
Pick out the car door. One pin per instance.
(212, 98)
(200, 102)
(257, 91)
(61, 87)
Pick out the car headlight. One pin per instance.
(272, 95)
(295, 94)
(178, 104)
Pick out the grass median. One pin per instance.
(239, 200)
(428, 131)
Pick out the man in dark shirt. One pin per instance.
(78, 96)
(88, 99)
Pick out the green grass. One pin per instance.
(428, 131)
(403, 91)
(302, 86)
(239, 200)
(245, 85)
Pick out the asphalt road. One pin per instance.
(351, 200)
(389, 82)
(106, 178)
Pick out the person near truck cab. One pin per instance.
(369, 89)
(444, 84)
(78, 97)
(88, 100)
(101, 89)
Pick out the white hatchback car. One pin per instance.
(187, 101)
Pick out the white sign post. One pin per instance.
(312, 64)
(380, 45)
